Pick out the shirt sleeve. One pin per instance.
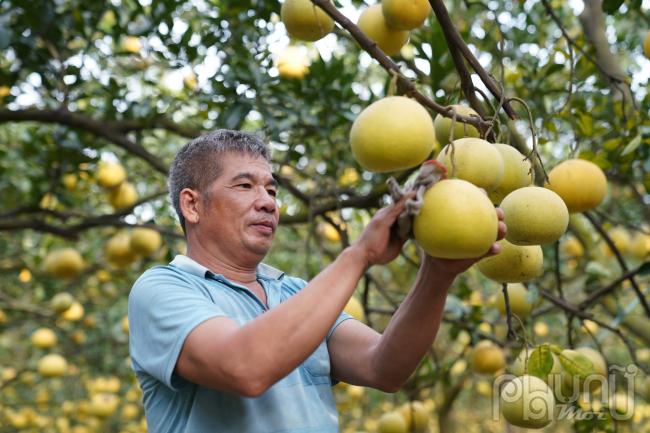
(164, 307)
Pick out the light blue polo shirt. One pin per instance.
(166, 303)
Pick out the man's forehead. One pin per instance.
(235, 164)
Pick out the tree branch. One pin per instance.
(79, 121)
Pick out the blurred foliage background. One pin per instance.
(88, 83)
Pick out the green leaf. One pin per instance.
(632, 145)
(611, 6)
(540, 362)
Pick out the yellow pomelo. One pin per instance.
(572, 247)
(110, 175)
(52, 365)
(4, 91)
(61, 302)
(43, 338)
(355, 309)
(293, 63)
(456, 221)
(581, 184)
(573, 383)
(514, 264)
(534, 216)
(394, 133)
(518, 300)
(646, 45)
(405, 14)
(640, 245)
(474, 160)
(328, 232)
(69, 181)
(517, 172)
(304, 20)
(131, 44)
(103, 404)
(392, 422)
(190, 80)
(145, 241)
(118, 250)
(443, 125)
(373, 24)
(63, 263)
(621, 239)
(74, 313)
(416, 416)
(527, 401)
(122, 197)
(487, 358)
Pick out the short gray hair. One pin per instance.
(197, 164)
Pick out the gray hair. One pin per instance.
(197, 164)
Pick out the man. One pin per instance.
(223, 343)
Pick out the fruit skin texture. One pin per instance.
(443, 125)
(394, 133)
(52, 365)
(110, 175)
(487, 358)
(456, 221)
(581, 184)
(392, 422)
(518, 300)
(534, 216)
(145, 241)
(43, 338)
(516, 173)
(646, 45)
(372, 23)
(527, 401)
(514, 264)
(405, 14)
(63, 263)
(103, 404)
(304, 20)
(474, 160)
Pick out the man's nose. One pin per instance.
(266, 201)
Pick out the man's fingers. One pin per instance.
(500, 213)
(503, 229)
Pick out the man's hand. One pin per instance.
(379, 241)
(457, 266)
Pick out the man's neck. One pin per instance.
(236, 273)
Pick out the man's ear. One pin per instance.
(190, 202)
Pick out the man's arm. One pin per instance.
(247, 360)
(362, 356)
(385, 361)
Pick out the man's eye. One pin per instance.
(245, 185)
(272, 192)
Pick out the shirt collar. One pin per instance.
(189, 265)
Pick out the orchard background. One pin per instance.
(85, 85)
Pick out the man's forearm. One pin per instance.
(412, 328)
(284, 336)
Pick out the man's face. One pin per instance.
(241, 213)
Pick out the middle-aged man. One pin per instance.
(221, 342)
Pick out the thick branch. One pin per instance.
(371, 48)
(79, 121)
